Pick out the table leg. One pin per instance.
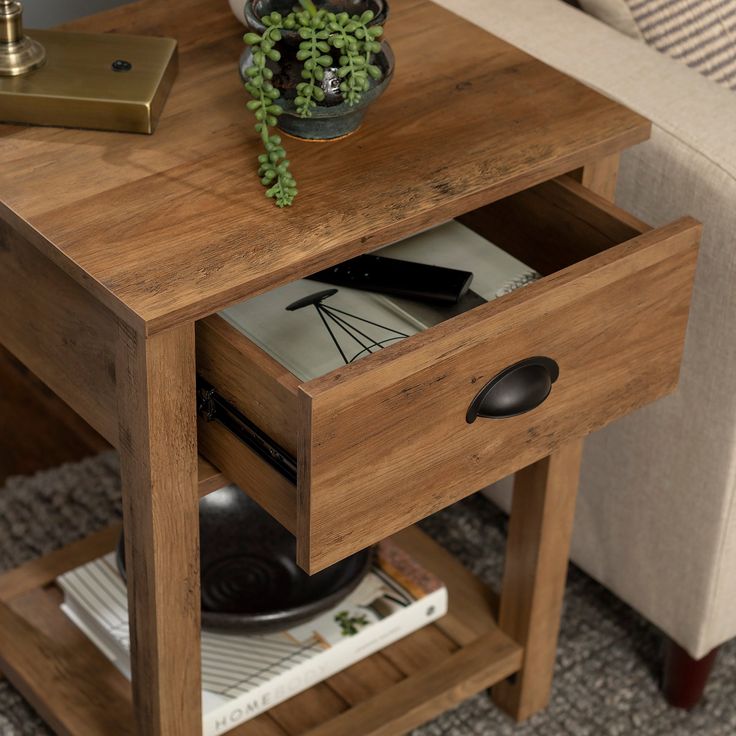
(600, 176)
(158, 454)
(540, 528)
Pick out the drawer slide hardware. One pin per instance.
(516, 390)
(213, 407)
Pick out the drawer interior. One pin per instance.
(548, 227)
(559, 229)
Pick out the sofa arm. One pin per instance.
(656, 519)
(674, 97)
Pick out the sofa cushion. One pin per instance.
(700, 33)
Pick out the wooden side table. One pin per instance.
(117, 251)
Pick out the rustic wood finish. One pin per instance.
(61, 673)
(37, 429)
(44, 570)
(401, 412)
(554, 225)
(534, 576)
(248, 470)
(391, 692)
(175, 226)
(245, 375)
(130, 240)
(64, 335)
(158, 457)
(601, 176)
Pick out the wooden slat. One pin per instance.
(263, 725)
(430, 691)
(365, 679)
(471, 604)
(307, 710)
(71, 684)
(420, 650)
(362, 685)
(158, 458)
(542, 515)
(44, 570)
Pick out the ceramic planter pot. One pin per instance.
(332, 118)
(250, 582)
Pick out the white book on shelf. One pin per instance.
(245, 675)
(300, 341)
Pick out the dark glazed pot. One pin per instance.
(333, 118)
(250, 582)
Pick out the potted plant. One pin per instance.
(312, 70)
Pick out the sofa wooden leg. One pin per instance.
(684, 678)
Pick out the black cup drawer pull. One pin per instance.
(517, 389)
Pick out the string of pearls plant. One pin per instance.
(323, 33)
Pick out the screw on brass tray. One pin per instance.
(73, 80)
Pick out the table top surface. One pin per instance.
(175, 226)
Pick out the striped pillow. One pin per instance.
(701, 33)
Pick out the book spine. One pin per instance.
(339, 657)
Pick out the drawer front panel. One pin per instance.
(385, 443)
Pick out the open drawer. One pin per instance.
(353, 456)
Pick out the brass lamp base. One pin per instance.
(22, 57)
(105, 81)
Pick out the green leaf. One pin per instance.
(251, 39)
(253, 105)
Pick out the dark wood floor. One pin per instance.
(37, 429)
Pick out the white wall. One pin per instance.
(46, 13)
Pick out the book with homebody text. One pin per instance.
(245, 675)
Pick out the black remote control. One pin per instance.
(400, 278)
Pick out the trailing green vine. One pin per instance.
(322, 32)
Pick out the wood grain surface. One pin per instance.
(61, 673)
(385, 443)
(174, 226)
(158, 457)
(55, 328)
(390, 692)
(538, 548)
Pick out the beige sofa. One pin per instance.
(656, 520)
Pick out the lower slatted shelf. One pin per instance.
(76, 690)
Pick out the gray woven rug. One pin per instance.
(604, 685)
